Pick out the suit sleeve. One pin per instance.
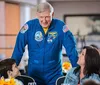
(70, 45)
(19, 48)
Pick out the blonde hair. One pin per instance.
(44, 7)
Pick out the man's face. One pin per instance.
(45, 18)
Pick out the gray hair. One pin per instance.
(44, 7)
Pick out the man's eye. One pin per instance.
(48, 17)
(41, 17)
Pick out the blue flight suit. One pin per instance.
(44, 63)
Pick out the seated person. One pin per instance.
(89, 67)
(8, 68)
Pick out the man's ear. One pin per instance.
(53, 14)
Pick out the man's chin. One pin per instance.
(45, 26)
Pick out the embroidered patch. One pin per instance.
(38, 36)
(51, 36)
(24, 28)
(65, 28)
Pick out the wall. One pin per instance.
(2, 26)
(31, 2)
(76, 7)
(12, 25)
(9, 26)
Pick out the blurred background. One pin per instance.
(81, 16)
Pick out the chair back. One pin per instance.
(26, 80)
(60, 80)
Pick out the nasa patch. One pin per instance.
(38, 36)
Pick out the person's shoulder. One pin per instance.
(73, 70)
(95, 76)
(58, 24)
(32, 21)
(58, 20)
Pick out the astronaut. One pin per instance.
(45, 37)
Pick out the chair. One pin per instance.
(26, 80)
(60, 80)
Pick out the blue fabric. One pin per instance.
(72, 77)
(45, 49)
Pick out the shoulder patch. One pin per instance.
(24, 28)
(65, 28)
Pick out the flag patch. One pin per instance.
(65, 28)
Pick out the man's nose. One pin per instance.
(44, 20)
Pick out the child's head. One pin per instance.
(8, 68)
(90, 82)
